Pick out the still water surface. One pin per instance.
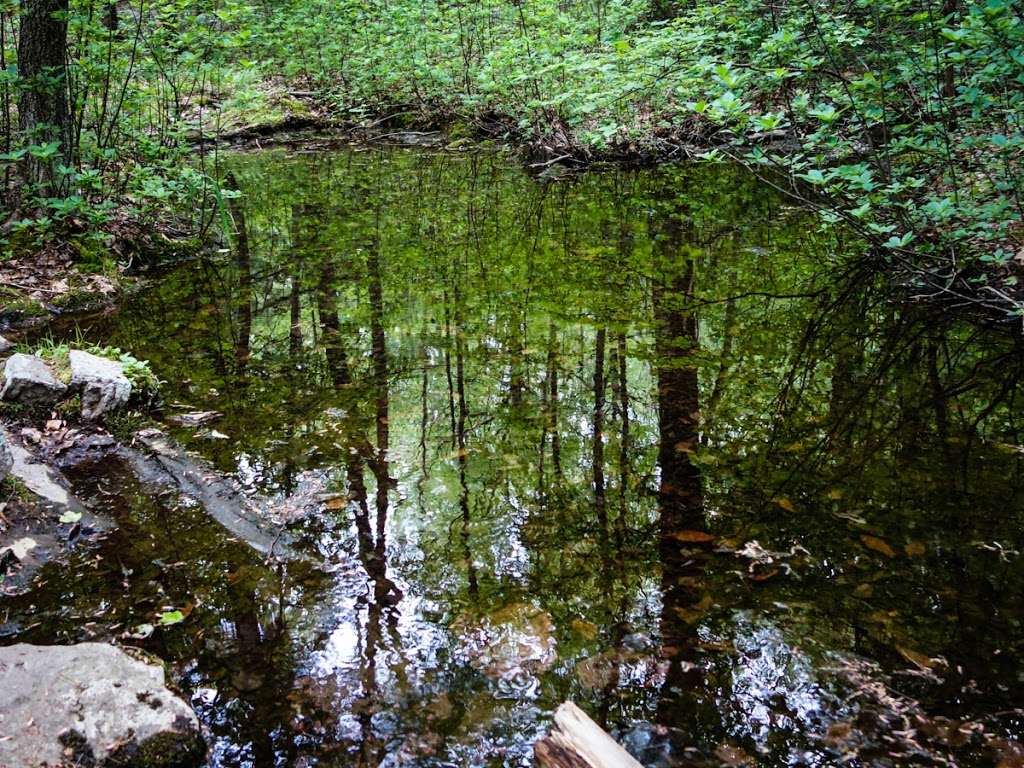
(648, 440)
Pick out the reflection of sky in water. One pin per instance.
(773, 683)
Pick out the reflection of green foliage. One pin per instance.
(825, 416)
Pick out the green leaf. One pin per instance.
(814, 176)
(70, 517)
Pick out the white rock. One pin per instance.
(28, 380)
(6, 458)
(101, 382)
(93, 703)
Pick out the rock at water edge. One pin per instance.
(28, 380)
(6, 457)
(91, 704)
(101, 382)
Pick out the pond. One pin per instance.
(654, 441)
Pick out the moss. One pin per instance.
(78, 300)
(16, 310)
(11, 411)
(295, 107)
(12, 488)
(169, 749)
(124, 424)
(459, 129)
(59, 358)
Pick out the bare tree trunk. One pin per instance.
(949, 9)
(43, 106)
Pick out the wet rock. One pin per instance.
(44, 481)
(5, 345)
(77, 448)
(28, 380)
(6, 459)
(91, 704)
(195, 418)
(101, 382)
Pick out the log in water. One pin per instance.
(576, 741)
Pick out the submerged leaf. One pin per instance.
(167, 618)
(914, 548)
(919, 660)
(785, 503)
(693, 537)
(878, 545)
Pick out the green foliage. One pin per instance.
(900, 119)
(57, 353)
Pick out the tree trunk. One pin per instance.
(43, 106)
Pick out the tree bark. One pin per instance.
(43, 114)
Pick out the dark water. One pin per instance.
(650, 441)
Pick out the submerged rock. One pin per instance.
(221, 498)
(91, 704)
(103, 386)
(28, 380)
(513, 643)
(43, 480)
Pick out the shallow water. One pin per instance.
(648, 440)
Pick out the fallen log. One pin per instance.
(576, 741)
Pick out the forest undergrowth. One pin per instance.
(899, 119)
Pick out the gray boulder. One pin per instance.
(5, 345)
(6, 457)
(28, 380)
(101, 382)
(91, 704)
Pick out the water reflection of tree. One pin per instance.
(524, 289)
(380, 602)
(680, 491)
